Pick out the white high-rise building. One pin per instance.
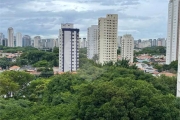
(178, 74)
(173, 31)
(92, 41)
(178, 77)
(127, 47)
(18, 39)
(68, 48)
(37, 40)
(10, 37)
(107, 38)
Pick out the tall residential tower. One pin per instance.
(68, 48)
(18, 39)
(92, 39)
(107, 38)
(173, 31)
(178, 77)
(37, 40)
(10, 37)
(127, 47)
(1, 38)
(178, 74)
(26, 41)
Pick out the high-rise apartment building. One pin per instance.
(136, 44)
(178, 74)
(56, 43)
(173, 35)
(107, 38)
(18, 39)
(119, 41)
(159, 42)
(178, 77)
(26, 41)
(127, 47)
(14, 41)
(37, 40)
(83, 43)
(10, 33)
(92, 41)
(68, 48)
(154, 43)
(79, 42)
(46, 44)
(150, 40)
(164, 42)
(144, 44)
(4, 42)
(1, 38)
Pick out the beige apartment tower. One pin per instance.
(127, 47)
(107, 38)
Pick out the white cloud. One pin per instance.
(63, 5)
(142, 18)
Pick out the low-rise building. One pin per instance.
(14, 68)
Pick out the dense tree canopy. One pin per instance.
(115, 91)
(14, 83)
(172, 67)
(16, 49)
(158, 50)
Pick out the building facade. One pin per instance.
(92, 41)
(151, 41)
(46, 44)
(119, 41)
(37, 40)
(26, 41)
(56, 42)
(178, 77)
(127, 47)
(5, 42)
(161, 42)
(154, 43)
(164, 42)
(1, 38)
(10, 37)
(79, 42)
(144, 44)
(173, 31)
(14, 41)
(18, 39)
(83, 43)
(68, 48)
(178, 74)
(107, 38)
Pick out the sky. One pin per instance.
(144, 19)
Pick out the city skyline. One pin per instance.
(34, 18)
